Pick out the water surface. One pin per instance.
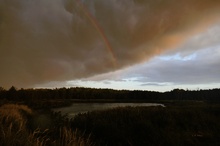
(76, 108)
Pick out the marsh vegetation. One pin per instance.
(28, 122)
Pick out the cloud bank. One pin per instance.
(60, 40)
(195, 64)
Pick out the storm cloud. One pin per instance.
(59, 40)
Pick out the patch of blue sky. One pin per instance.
(178, 57)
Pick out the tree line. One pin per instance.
(87, 94)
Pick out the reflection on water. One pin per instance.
(85, 107)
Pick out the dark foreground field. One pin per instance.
(179, 123)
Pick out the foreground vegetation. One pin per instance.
(195, 124)
(20, 126)
(189, 118)
(182, 123)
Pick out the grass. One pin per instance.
(13, 122)
(194, 124)
(17, 123)
(181, 123)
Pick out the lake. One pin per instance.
(77, 108)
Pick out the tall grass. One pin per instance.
(70, 138)
(13, 119)
(185, 125)
(15, 123)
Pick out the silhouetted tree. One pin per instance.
(12, 89)
(2, 89)
(11, 93)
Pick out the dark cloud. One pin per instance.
(196, 62)
(58, 40)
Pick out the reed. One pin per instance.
(14, 130)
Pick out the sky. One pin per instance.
(156, 45)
